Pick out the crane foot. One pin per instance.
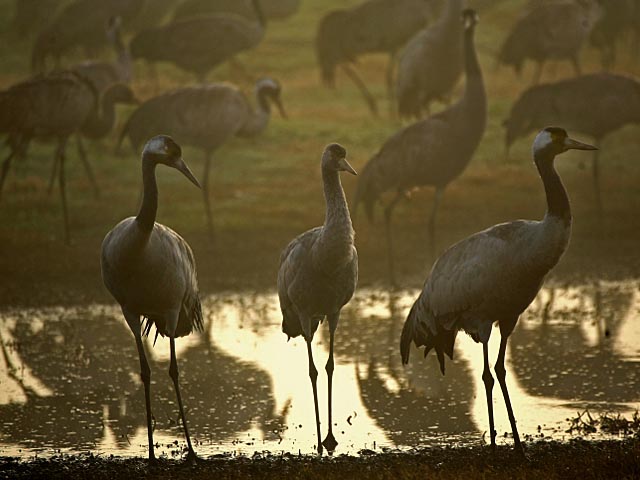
(330, 443)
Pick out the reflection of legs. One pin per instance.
(355, 78)
(387, 226)
(432, 221)
(488, 386)
(330, 441)
(313, 375)
(145, 374)
(205, 192)
(82, 153)
(173, 373)
(63, 192)
(501, 374)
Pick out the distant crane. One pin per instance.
(555, 30)
(199, 44)
(273, 9)
(431, 63)
(206, 117)
(493, 276)
(616, 21)
(431, 152)
(595, 104)
(373, 26)
(318, 274)
(151, 272)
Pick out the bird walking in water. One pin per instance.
(493, 276)
(318, 274)
(151, 272)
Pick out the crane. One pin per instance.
(493, 276)
(318, 275)
(150, 270)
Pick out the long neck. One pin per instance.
(474, 87)
(337, 212)
(557, 200)
(147, 215)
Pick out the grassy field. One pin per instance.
(267, 190)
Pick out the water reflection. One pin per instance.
(70, 377)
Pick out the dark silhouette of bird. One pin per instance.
(199, 44)
(206, 117)
(431, 152)
(373, 26)
(616, 22)
(431, 63)
(493, 276)
(318, 275)
(595, 105)
(273, 9)
(549, 31)
(150, 270)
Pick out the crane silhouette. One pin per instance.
(150, 271)
(431, 152)
(318, 274)
(493, 276)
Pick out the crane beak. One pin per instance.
(182, 167)
(571, 144)
(344, 166)
(281, 109)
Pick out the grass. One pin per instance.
(268, 189)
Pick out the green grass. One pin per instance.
(268, 189)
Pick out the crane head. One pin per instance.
(163, 149)
(553, 141)
(270, 89)
(335, 158)
(469, 18)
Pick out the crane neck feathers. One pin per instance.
(146, 217)
(557, 199)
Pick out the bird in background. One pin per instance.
(318, 275)
(431, 152)
(151, 272)
(205, 117)
(493, 276)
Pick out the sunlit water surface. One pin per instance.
(69, 377)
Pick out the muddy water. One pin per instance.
(69, 378)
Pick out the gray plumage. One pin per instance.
(150, 271)
(616, 21)
(595, 105)
(318, 274)
(431, 152)
(273, 9)
(492, 276)
(550, 31)
(205, 117)
(199, 44)
(373, 26)
(431, 63)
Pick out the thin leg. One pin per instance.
(576, 65)
(205, 193)
(173, 373)
(371, 102)
(82, 153)
(432, 220)
(547, 306)
(63, 192)
(5, 168)
(387, 224)
(390, 83)
(488, 386)
(596, 182)
(145, 374)
(330, 442)
(313, 375)
(54, 173)
(501, 374)
(538, 73)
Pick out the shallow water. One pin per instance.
(69, 377)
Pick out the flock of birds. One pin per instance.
(491, 276)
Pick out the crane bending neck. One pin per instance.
(557, 199)
(146, 217)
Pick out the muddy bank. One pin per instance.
(578, 459)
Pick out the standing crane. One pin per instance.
(206, 117)
(595, 105)
(187, 43)
(431, 63)
(151, 272)
(318, 275)
(373, 26)
(431, 152)
(493, 276)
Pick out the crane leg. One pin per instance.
(596, 182)
(5, 168)
(390, 84)
(388, 211)
(432, 221)
(501, 373)
(63, 191)
(205, 193)
(487, 378)
(313, 375)
(82, 153)
(145, 375)
(173, 373)
(54, 173)
(576, 65)
(330, 442)
(355, 78)
(538, 73)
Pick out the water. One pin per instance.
(69, 377)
